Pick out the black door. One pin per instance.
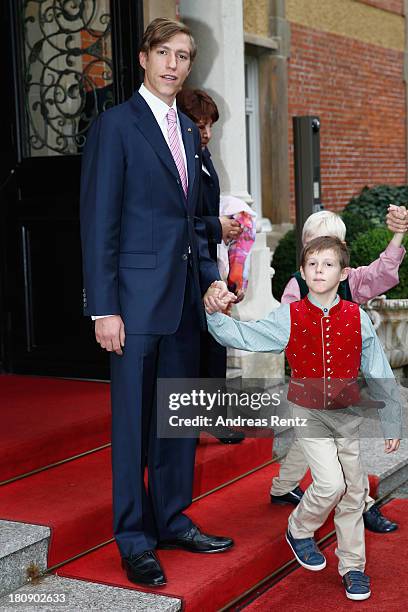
(66, 61)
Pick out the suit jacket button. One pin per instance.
(184, 257)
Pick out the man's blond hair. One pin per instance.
(160, 30)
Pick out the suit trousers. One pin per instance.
(333, 454)
(144, 515)
(213, 358)
(292, 470)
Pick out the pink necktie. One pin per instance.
(175, 147)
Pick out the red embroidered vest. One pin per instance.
(324, 353)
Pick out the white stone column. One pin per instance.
(258, 302)
(217, 26)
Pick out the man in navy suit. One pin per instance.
(146, 268)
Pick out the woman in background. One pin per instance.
(202, 109)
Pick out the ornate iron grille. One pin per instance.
(67, 74)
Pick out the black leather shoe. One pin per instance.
(377, 522)
(195, 541)
(144, 569)
(293, 497)
(229, 436)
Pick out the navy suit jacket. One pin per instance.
(136, 225)
(211, 204)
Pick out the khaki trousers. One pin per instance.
(333, 454)
(292, 470)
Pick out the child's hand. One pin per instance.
(240, 294)
(231, 229)
(397, 219)
(217, 297)
(391, 445)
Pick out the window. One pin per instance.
(67, 71)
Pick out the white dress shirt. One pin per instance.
(159, 110)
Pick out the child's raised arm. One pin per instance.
(367, 282)
(397, 220)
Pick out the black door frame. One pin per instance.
(127, 30)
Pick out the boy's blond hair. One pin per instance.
(323, 223)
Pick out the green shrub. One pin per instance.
(372, 203)
(363, 215)
(368, 246)
(355, 225)
(284, 262)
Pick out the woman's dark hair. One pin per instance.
(197, 105)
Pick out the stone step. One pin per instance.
(23, 552)
(54, 593)
(392, 470)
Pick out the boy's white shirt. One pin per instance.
(272, 334)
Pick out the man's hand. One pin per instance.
(391, 445)
(397, 219)
(217, 297)
(231, 229)
(110, 333)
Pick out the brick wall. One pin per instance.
(96, 71)
(357, 90)
(392, 6)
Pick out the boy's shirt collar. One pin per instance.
(324, 309)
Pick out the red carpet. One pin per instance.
(208, 582)
(74, 499)
(387, 563)
(45, 420)
(217, 463)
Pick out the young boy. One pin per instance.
(361, 285)
(327, 340)
(365, 282)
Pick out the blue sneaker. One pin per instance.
(293, 497)
(357, 585)
(306, 552)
